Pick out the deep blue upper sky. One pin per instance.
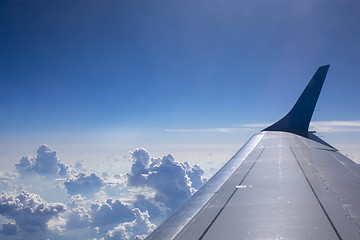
(172, 64)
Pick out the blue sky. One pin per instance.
(172, 64)
(98, 79)
(140, 68)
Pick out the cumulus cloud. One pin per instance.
(78, 218)
(79, 165)
(84, 183)
(76, 201)
(26, 165)
(64, 169)
(164, 184)
(171, 180)
(77, 215)
(137, 229)
(56, 224)
(195, 174)
(100, 214)
(110, 212)
(147, 204)
(140, 168)
(115, 186)
(29, 211)
(6, 179)
(171, 183)
(45, 163)
(9, 229)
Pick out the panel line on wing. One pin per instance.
(229, 175)
(316, 196)
(228, 200)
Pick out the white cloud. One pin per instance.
(195, 174)
(9, 228)
(110, 212)
(79, 165)
(207, 130)
(29, 211)
(45, 163)
(321, 126)
(78, 217)
(160, 185)
(137, 229)
(99, 214)
(171, 180)
(336, 126)
(115, 186)
(84, 183)
(7, 179)
(56, 224)
(147, 204)
(256, 125)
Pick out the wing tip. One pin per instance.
(298, 119)
(325, 66)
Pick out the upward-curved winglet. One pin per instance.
(298, 119)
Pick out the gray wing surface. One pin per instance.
(282, 184)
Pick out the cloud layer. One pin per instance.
(122, 206)
(320, 126)
(29, 211)
(336, 126)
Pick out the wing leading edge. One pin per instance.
(284, 183)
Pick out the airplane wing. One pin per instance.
(284, 183)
